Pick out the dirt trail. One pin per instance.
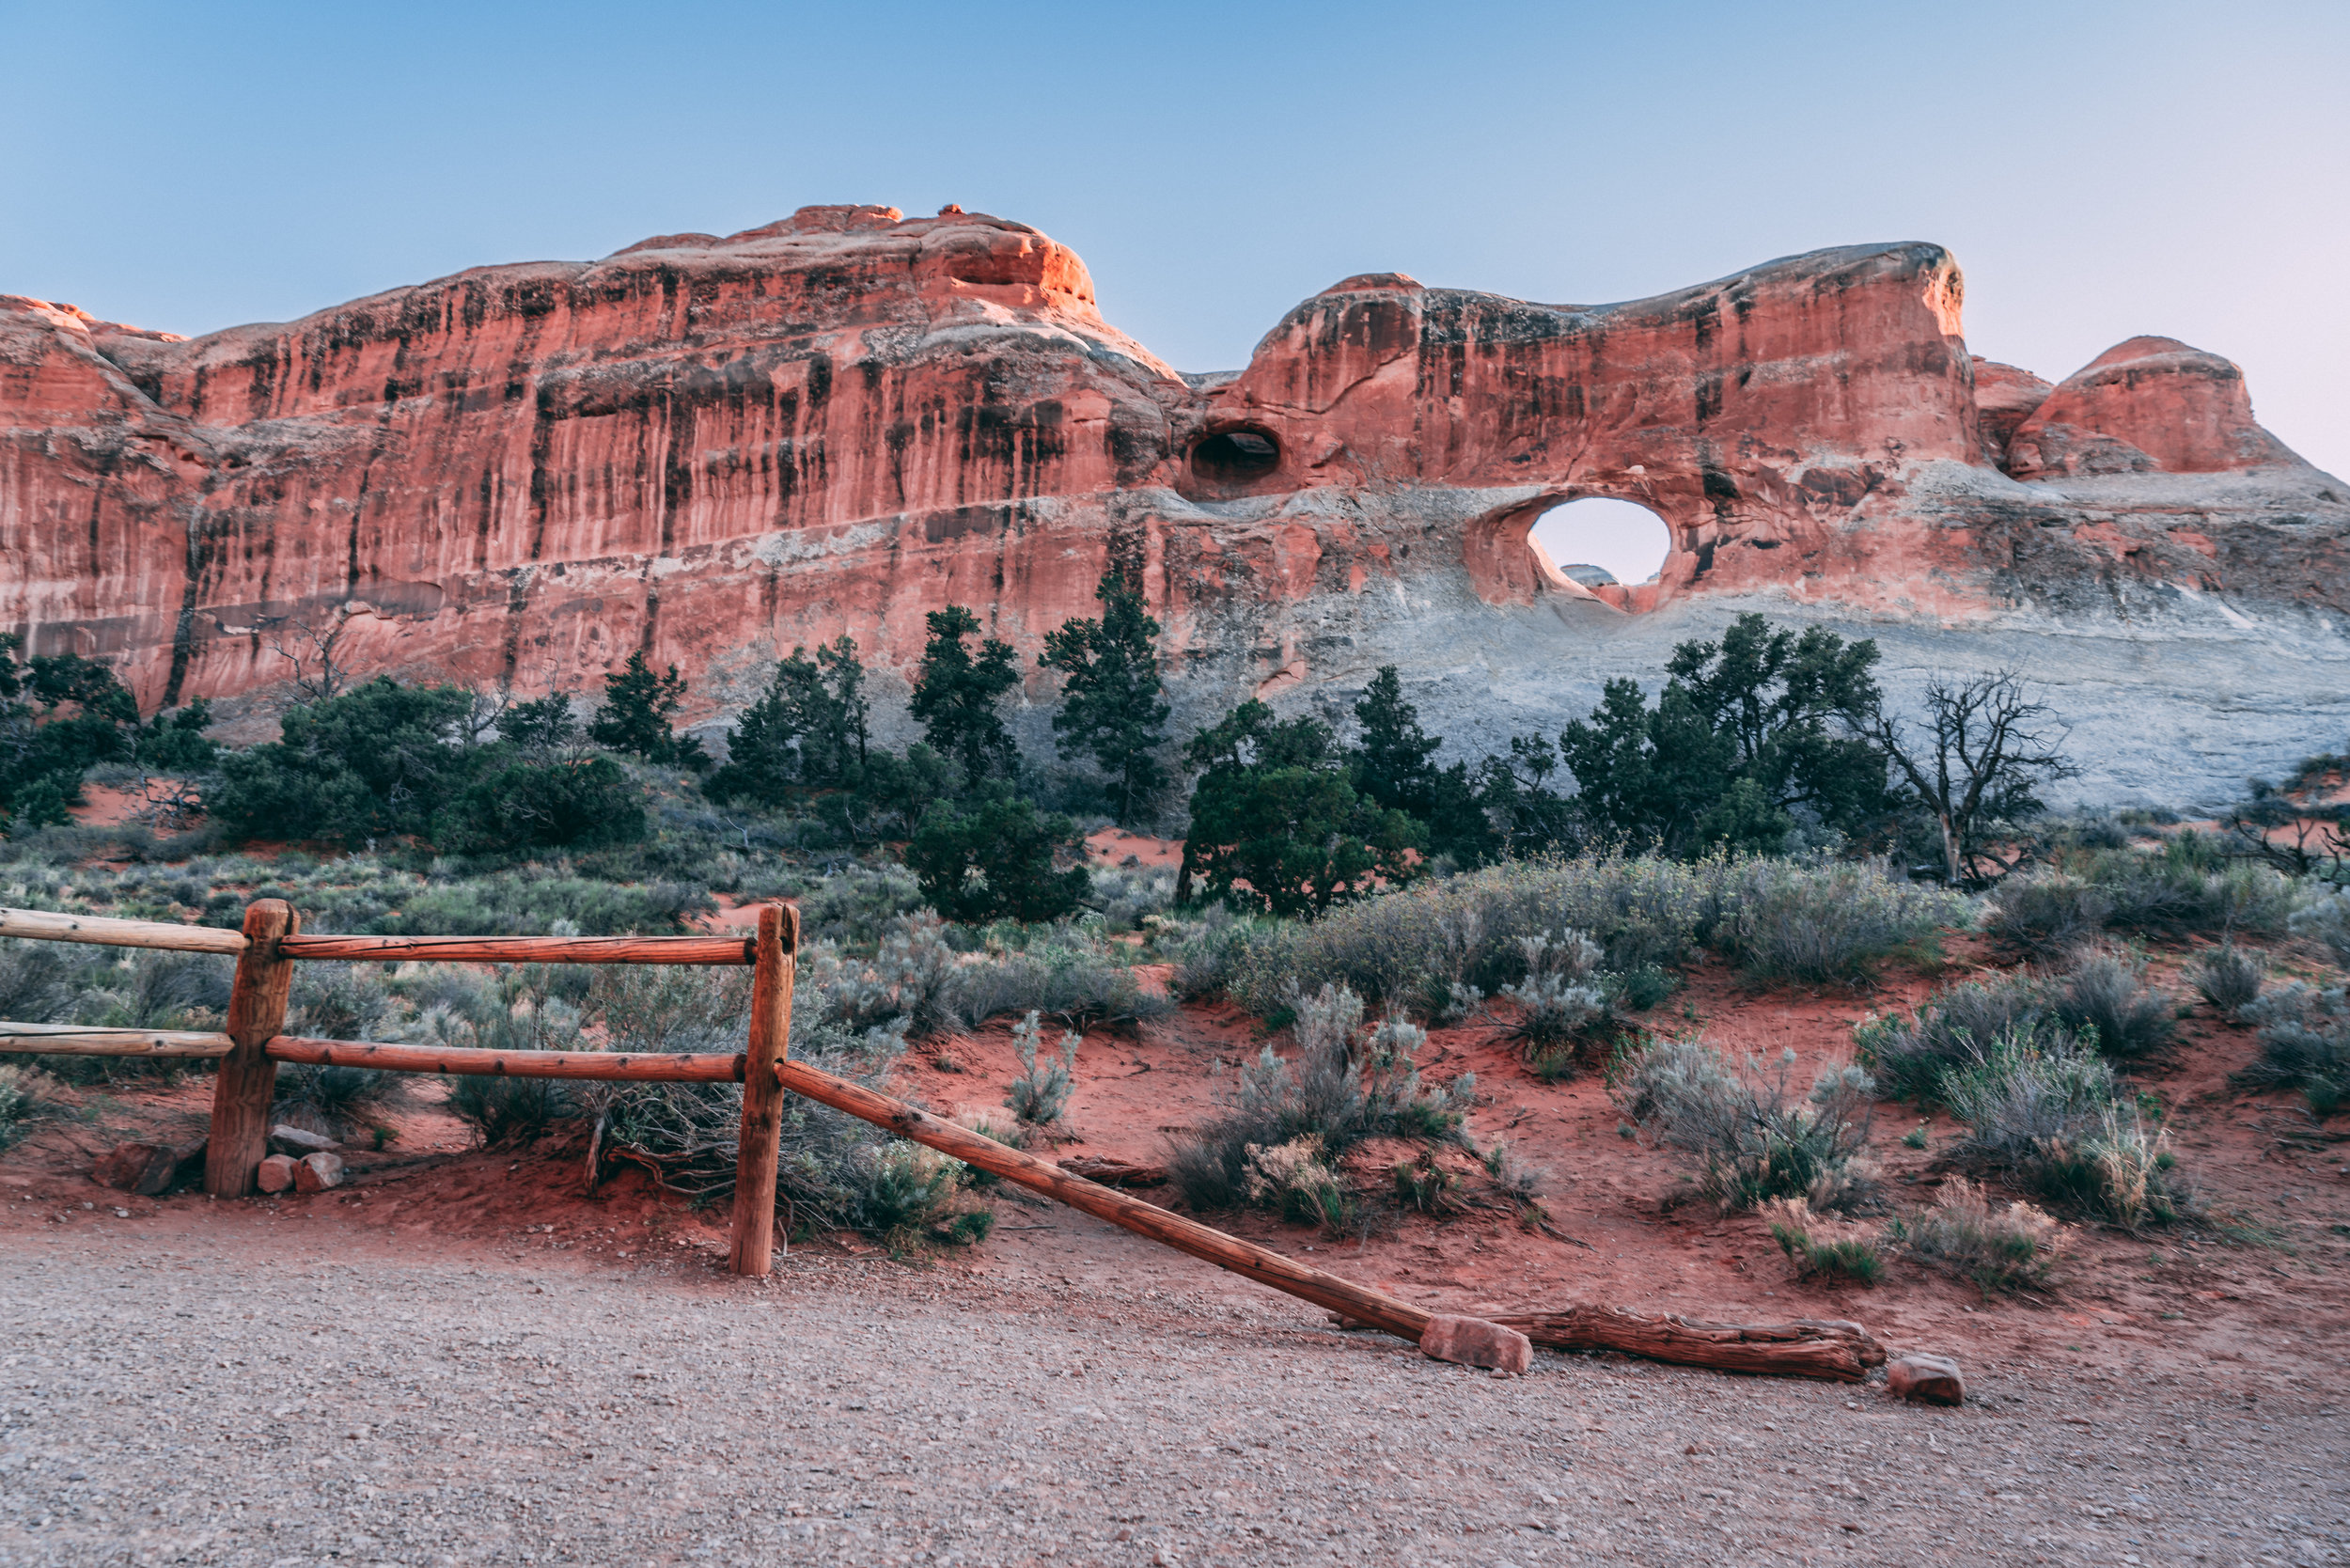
(227, 1384)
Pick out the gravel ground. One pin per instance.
(212, 1397)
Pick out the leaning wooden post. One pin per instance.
(248, 1075)
(777, 958)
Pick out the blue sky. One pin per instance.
(2100, 170)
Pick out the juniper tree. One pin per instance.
(1275, 823)
(956, 694)
(807, 730)
(1111, 708)
(1391, 760)
(1392, 765)
(636, 717)
(1747, 734)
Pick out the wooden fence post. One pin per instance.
(248, 1077)
(778, 960)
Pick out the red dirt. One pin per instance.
(1114, 846)
(2256, 1308)
(103, 806)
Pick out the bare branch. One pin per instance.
(1987, 750)
(319, 674)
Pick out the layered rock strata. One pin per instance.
(714, 449)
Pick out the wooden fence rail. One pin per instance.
(621, 1066)
(45, 926)
(524, 949)
(72, 1039)
(254, 1043)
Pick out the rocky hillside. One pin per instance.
(716, 448)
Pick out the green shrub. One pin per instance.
(1205, 951)
(1417, 946)
(1827, 921)
(1999, 1249)
(580, 803)
(856, 905)
(1422, 1184)
(530, 900)
(2023, 1089)
(2229, 978)
(1337, 1090)
(995, 860)
(523, 1012)
(1556, 1001)
(2047, 914)
(1908, 1057)
(1069, 977)
(909, 1185)
(1296, 1180)
(2326, 921)
(377, 761)
(39, 981)
(1040, 1095)
(2045, 1109)
(1637, 990)
(2305, 1043)
(338, 1001)
(2187, 888)
(1821, 1247)
(2110, 994)
(1127, 897)
(1752, 1141)
(20, 1097)
(834, 1171)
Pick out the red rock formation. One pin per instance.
(2005, 397)
(2149, 404)
(714, 448)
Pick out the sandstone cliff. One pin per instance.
(716, 449)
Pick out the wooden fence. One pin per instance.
(253, 1041)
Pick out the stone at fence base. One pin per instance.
(316, 1172)
(125, 1165)
(148, 1170)
(1475, 1342)
(298, 1141)
(276, 1174)
(1931, 1379)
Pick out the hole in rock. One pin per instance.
(1235, 457)
(1597, 541)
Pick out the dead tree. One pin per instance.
(319, 673)
(1985, 752)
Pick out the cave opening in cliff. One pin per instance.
(1235, 457)
(1599, 541)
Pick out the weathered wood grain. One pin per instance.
(47, 926)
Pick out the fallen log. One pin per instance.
(524, 949)
(1801, 1347)
(627, 1066)
(72, 1039)
(48, 926)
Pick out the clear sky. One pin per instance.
(2101, 170)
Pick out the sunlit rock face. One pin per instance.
(714, 449)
